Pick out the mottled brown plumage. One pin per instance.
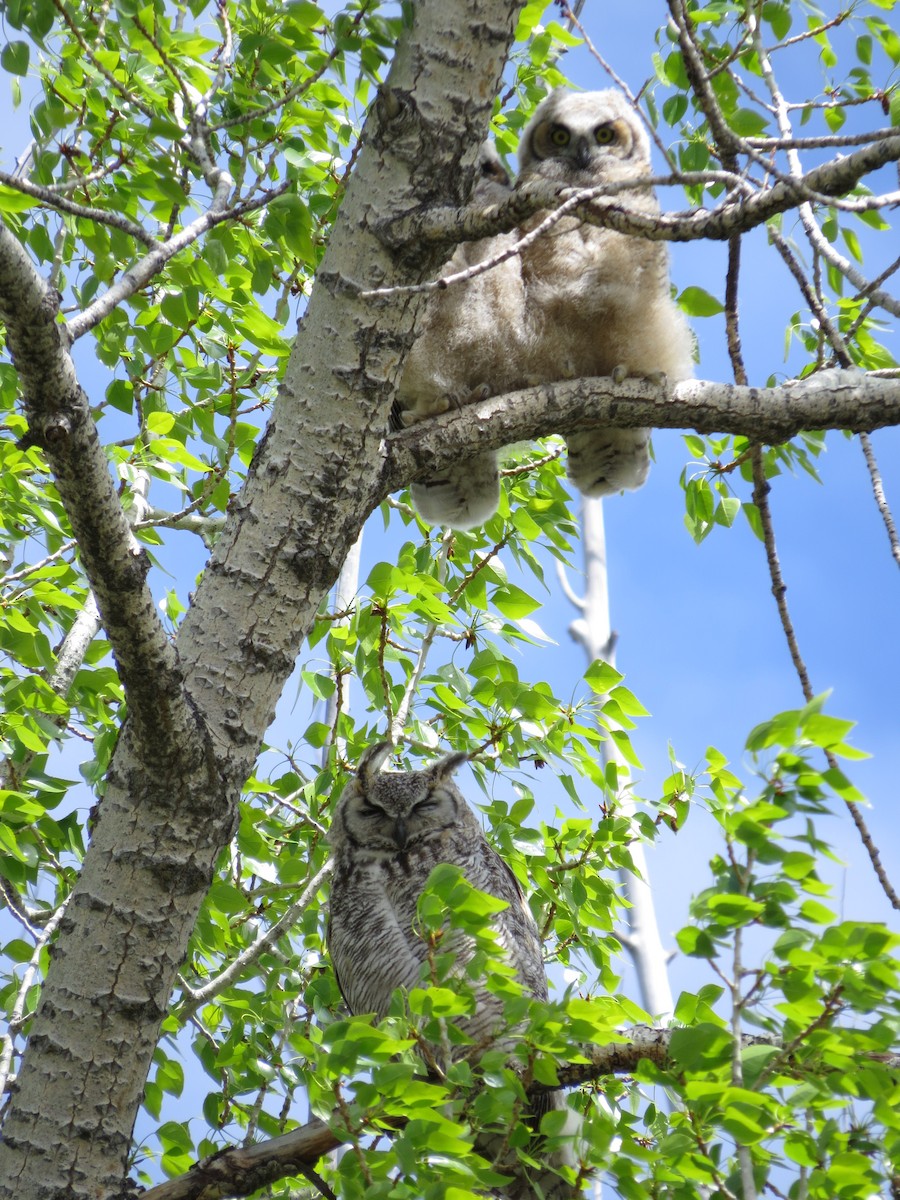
(390, 829)
(467, 351)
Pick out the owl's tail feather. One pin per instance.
(463, 496)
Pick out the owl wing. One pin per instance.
(371, 941)
(515, 926)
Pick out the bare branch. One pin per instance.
(403, 708)
(847, 400)
(299, 89)
(18, 1015)
(880, 499)
(761, 490)
(817, 239)
(60, 421)
(241, 1170)
(118, 88)
(151, 264)
(825, 183)
(575, 23)
(52, 199)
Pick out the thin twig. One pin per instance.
(140, 274)
(880, 499)
(402, 713)
(17, 1016)
(194, 997)
(297, 90)
(761, 490)
(29, 918)
(824, 142)
(620, 83)
(814, 233)
(129, 97)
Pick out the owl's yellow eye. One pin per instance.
(559, 135)
(604, 134)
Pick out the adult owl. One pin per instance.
(579, 301)
(468, 349)
(598, 302)
(390, 829)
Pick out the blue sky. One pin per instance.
(699, 636)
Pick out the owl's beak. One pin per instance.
(401, 834)
(582, 154)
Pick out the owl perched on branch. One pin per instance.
(390, 829)
(468, 350)
(579, 301)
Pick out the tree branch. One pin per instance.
(242, 1170)
(769, 415)
(60, 422)
(49, 196)
(737, 214)
(194, 997)
(160, 831)
(151, 264)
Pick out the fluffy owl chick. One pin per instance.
(468, 345)
(598, 302)
(390, 830)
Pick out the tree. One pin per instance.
(197, 176)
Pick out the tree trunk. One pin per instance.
(169, 805)
(593, 631)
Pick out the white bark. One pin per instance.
(169, 803)
(197, 714)
(593, 632)
(837, 400)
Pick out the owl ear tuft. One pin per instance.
(449, 765)
(373, 759)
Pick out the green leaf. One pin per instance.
(601, 677)
(697, 302)
(12, 201)
(702, 1047)
(514, 602)
(14, 57)
(747, 122)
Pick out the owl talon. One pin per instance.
(619, 374)
(480, 393)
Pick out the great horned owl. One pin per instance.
(389, 831)
(579, 301)
(598, 302)
(467, 351)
